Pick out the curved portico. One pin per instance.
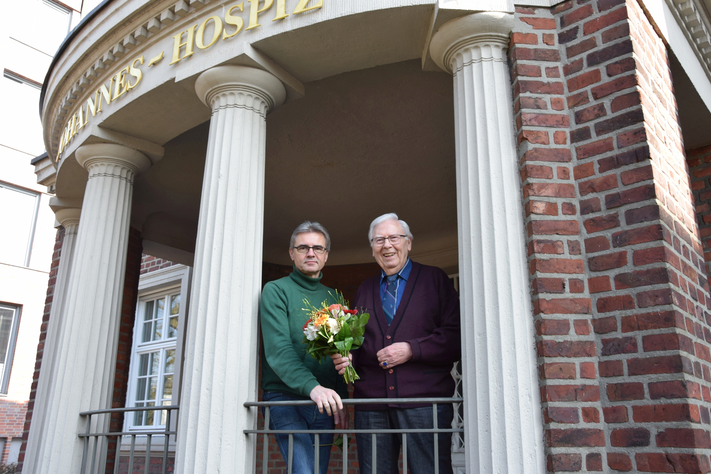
(367, 126)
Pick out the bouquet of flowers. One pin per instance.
(334, 329)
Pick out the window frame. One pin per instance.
(33, 225)
(28, 42)
(154, 285)
(20, 79)
(11, 344)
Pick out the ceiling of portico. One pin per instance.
(356, 146)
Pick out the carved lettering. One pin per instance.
(200, 40)
(120, 83)
(135, 72)
(280, 10)
(301, 7)
(254, 12)
(178, 44)
(233, 20)
(81, 120)
(104, 92)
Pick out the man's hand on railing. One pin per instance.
(329, 400)
(341, 362)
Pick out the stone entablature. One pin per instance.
(138, 38)
(694, 22)
(141, 36)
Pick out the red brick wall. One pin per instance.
(619, 286)
(12, 422)
(700, 166)
(54, 268)
(566, 344)
(134, 264)
(149, 263)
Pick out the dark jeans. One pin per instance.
(420, 447)
(300, 418)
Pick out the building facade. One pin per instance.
(555, 155)
(28, 239)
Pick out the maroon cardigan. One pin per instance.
(428, 318)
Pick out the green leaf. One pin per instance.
(344, 346)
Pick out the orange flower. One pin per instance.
(321, 318)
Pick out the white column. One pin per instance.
(69, 219)
(502, 411)
(220, 372)
(85, 355)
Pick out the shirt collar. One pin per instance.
(404, 272)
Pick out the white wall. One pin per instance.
(30, 33)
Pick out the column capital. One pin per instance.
(222, 79)
(68, 216)
(470, 31)
(88, 155)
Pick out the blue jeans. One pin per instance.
(300, 418)
(420, 447)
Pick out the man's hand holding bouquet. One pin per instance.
(334, 329)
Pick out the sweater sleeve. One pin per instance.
(278, 346)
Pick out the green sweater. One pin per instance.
(286, 367)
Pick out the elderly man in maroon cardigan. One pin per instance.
(411, 342)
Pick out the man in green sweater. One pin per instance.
(288, 372)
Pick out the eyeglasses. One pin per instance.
(394, 239)
(318, 250)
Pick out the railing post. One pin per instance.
(345, 453)
(86, 445)
(265, 451)
(148, 451)
(374, 451)
(317, 452)
(290, 467)
(117, 461)
(436, 438)
(166, 442)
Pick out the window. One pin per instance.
(13, 76)
(18, 211)
(156, 355)
(51, 18)
(9, 322)
(159, 319)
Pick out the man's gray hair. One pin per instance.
(391, 216)
(308, 226)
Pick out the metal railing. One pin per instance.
(99, 444)
(434, 402)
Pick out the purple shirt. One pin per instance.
(427, 318)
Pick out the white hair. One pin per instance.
(391, 216)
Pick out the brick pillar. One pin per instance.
(613, 243)
(125, 339)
